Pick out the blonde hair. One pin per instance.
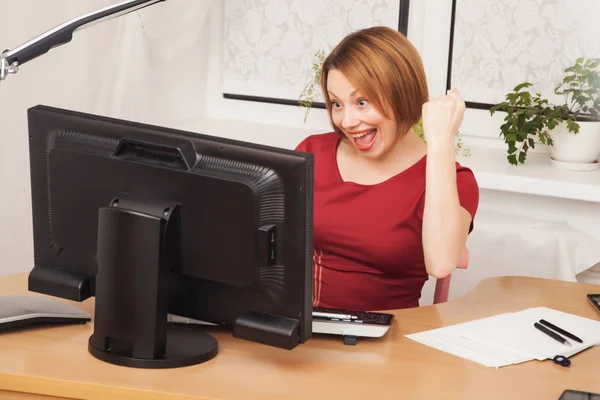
(386, 68)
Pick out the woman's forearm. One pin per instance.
(445, 222)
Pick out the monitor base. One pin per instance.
(185, 347)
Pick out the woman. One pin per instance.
(389, 210)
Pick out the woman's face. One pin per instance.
(370, 132)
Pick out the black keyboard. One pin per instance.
(359, 317)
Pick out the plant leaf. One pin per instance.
(572, 126)
(522, 86)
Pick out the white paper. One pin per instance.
(511, 338)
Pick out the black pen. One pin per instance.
(552, 334)
(560, 330)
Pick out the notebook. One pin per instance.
(511, 338)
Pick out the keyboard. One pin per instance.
(335, 321)
(332, 321)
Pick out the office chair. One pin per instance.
(442, 286)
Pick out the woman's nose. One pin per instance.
(349, 119)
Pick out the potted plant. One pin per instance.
(572, 129)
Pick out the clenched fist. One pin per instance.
(442, 116)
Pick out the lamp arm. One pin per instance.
(10, 60)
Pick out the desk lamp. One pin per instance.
(10, 60)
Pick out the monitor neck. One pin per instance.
(137, 241)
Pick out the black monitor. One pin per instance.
(155, 221)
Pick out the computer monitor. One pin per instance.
(155, 221)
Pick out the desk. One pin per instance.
(55, 360)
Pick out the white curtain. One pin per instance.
(148, 66)
(158, 64)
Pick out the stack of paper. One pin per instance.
(511, 338)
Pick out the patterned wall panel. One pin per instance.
(269, 46)
(498, 44)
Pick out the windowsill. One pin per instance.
(536, 176)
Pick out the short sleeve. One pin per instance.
(303, 146)
(468, 191)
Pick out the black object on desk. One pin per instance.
(561, 360)
(552, 334)
(594, 300)
(560, 330)
(578, 395)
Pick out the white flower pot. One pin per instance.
(580, 149)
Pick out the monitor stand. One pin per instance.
(137, 241)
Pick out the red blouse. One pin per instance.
(368, 252)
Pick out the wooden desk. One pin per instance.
(55, 361)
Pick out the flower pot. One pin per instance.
(576, 151)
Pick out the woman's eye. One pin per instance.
(363, 102)
(335, 104)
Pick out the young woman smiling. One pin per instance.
(389, 210)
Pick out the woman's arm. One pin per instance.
(445, 223)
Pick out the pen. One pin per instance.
(560, 330)
(318, 314)
(552, 334)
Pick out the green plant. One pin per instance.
(312, 87)
(531, 117)
(581, 89)
(527, 118)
